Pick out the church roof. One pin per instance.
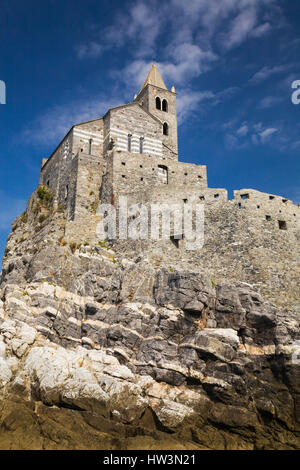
(154, 78)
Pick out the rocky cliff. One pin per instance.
(98, 351)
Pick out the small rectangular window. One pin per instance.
(268, 218)
(90, 146)
(141, 144)
(129, 142)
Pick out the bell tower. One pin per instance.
(161, 103)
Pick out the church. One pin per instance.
(132, 151)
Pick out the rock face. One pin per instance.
(102, 352)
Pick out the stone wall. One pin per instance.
(134, 121)
(88, 138)
(140, 173)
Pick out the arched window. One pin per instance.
(166, 129)
(165, 106)
(158, 103)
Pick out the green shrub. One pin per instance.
(103, 245)
(73, 247)
(45, 194)
(61, 208)
(24, 217)
(42, 218)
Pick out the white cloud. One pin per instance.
(240, 28)
(141, 25)
(267, 133)
(91, 50)
(267, 72)
(261, 30)
(243, 130)
(237, 137)
(269, 101)
(50, 127)
(188, 102)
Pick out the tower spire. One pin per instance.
(154, 78)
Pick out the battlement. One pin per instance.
(277, 211)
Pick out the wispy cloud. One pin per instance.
(91, 50)
(243, 130)
(247, 134)
(50, 127)
(269, 101)
(188, 102)
(267, 72)
(267, 133)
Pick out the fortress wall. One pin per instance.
(54, 172)
(85, 132)
(238, 247)
(89, 178)
(81, 225)
(141, 172)
(275, 210)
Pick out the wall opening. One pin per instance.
(66, 192)
(282, 224)
(165, 129)
(163, 174)
(129, 142)
(141, 144)
(268, 218)
(158, 103)
(90, 146)
(245, 196)
(271, 198)
(176, 240)
(165, 106)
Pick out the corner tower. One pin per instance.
(161, 103)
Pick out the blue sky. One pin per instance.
(232, 63)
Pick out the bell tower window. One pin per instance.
(165, 129)
(158, 103)
(165, 105)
